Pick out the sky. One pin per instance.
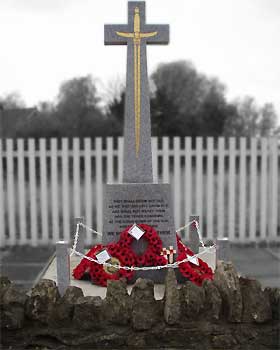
(45, 42)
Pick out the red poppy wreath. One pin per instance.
(122, 254)
(195, 273)
(101, 273)
(152, 255)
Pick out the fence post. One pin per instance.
(273, 189)
(62, 266)
(193, 236)
(223, 249)
(81, 239)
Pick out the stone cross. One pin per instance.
(137, 125)
(138, 199)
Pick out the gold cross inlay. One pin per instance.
(137, 36)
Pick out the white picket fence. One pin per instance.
(232, 184)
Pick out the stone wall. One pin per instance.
(230, 312)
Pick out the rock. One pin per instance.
(4, 282)
(143, 289)
(256, 305)
(14, 296)
(117, 303)
(64, 309)
(223, 341)
(72, 294)
(88, 313)
(172, 304)
(4, 285)
(213, 300)
(43, 300)
(136, 340)
(274, 299)
(12, 308)
(116, 289)
(192, 299)
(227, 282)
(145, 311)
(12, 317)
(144, 316)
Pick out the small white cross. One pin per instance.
(169, 254)
(172, 251)
(165, 252)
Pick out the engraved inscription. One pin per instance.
(124, 212)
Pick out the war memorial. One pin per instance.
(142, 286)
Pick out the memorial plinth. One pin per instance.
(126, 204)
(87, 287)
